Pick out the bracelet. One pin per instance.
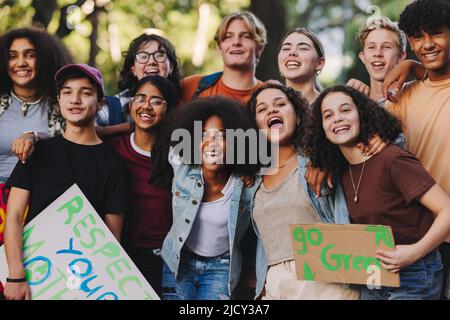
(24, 279)
(35, 135)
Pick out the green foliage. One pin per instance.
(178, 21)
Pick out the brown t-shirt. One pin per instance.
(189, 85)
(392, 182)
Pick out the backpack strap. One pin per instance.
(206, 82)
(115, 110)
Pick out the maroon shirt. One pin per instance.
(150, 217)
(392, 182)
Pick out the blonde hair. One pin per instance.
(255, 26)
(378, 24)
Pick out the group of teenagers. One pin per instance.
(219, 229)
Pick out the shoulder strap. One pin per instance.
(205, 83)
(115, 110)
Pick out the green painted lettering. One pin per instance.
(357, 262)
(109, 250)
(346, 258)
(72, 207)
(126, 280)
(323, 259)
(299, 236)
(30, 249)
(319, 237)
(307, 272)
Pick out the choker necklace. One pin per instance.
(355, 199)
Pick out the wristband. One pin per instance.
(24, 279)
(35, 135)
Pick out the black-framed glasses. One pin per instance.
(144, 56)
(141, 100)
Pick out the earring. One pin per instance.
(318, 72)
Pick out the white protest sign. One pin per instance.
(69, 254)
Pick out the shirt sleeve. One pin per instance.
(410, 177)
(22, 177)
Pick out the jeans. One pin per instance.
(199, 278)
(421, 280)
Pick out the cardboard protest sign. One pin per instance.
(69, 253)
(342, 253)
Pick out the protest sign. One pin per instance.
(342, 253)
(69, 253)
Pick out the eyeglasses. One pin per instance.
(141, 100)
(144, 56)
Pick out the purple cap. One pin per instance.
(93, 73)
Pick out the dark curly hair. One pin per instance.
(128, 79)
(374, 120)
(233, 115)
(426, 15)
(299, 103)
(51, 54)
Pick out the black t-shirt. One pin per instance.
(56, 164)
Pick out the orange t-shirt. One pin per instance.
(424, 109)
(189, 85)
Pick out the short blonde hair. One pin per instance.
(254, 25)
(378, 24)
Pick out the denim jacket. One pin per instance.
(187, 192)
(331, 208)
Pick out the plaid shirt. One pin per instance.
(102, 118)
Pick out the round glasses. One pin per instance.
(141, 100)
(144, 57)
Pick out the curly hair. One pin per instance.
(426, 15)
(51, 55)
(374, 120)
(128, 79)
(234, 116)
(299, 103)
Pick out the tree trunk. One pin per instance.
(93, 18)
(273, 14)
(43, 12)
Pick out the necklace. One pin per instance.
(355, 199)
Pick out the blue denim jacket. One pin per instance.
(187, 192)
(331, 208)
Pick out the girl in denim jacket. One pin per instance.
(211, 207)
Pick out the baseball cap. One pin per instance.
(92, 73)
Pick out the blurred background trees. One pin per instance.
(98, 31)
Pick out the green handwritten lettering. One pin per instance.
(323, 259)
(73, 206)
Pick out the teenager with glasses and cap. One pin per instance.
(78, 156)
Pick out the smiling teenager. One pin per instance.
(29, 59)
(390, 188)
(240, 40)
(383, 46)
(78, 156)
(149, 216)
(211, 207)
(283, 198)
(148, 54)
(424, 105)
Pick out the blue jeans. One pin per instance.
(199, 278)
(421, 280)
